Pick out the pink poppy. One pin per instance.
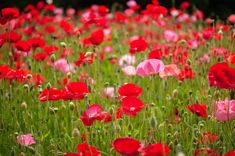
(63, 66)
(91, 114)
(225, 110)
(129, 70)
(150, 67)
(25, 139)
(108, 92)
(231, 18)
(170, 36)
(170, 70)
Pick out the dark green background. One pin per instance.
(212, 8)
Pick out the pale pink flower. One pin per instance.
(63, 66)
(108, 49)
(129, 70)
(170, 70)
(204, 59)
(231, 18)
(25, 139)
(126, 60)
(225, 110)
(170, 36)
(129, 12)
(58, 11)
(193, 44)
(183, 17)
(174, 12)
(131, 3)
(108, 92)
(150, 67)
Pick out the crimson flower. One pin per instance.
(131, 106)
(126, 146)
(50, 94)
(157, 149)
(205, 151)
(222, 76)
(91, 114)
(198, 109)
(85, 150)
(75, 91)
(230, 153)
(130, 89)
(23, 46)
(138, 45)
(8, 14)
(97, 37)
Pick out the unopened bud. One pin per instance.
(71, 106)
(175, 93)
(63, 44)
(48, 85)
(24, 105)
(76, 133)
(69, 75)
(53, 58)
(29, 76)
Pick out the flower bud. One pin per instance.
(76, 133)
(24, 105)
(53, 58)
(175, 93)
(71, 106)
(48, 85)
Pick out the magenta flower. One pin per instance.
(63, 66)
(25, 139)
(225, 110)
(150, 67)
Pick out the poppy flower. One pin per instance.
(85, 150)
(129, 70)
(126, 60)
(222, 76)
(230, 153)
(170, 36)
(23, 46)
(138, 45)
(170, 70)
(74, 91)
(231, 18)
(205, 151)
(150, 67)
(50, 94)
(50, 49)
(224, 110)
(40, 56)
(126, 146)
(155, 54)
(231, 58)
(11, 37)
(4, 69)
(91, 114)
(130, 89)
(198, 109)
(20, 75)
(186, 73)
(209, 137)
(25, 139)
(131, 106)
(63, 66)
(97, 37)
(9, 14)
(157, 149)
(37, 42)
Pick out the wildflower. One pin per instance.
(25, 139)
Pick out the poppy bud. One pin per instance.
(153, 122)
(48, 85)
(63, 44)
(180, 154)
(76, 133)
(220, 32)
(175, 93)
(106, 84)
(22, 154)
(29, 76)
(69, 75)
(26, 87)
(24, 105)
(53, 110)
(53, 58)
(71, 106)
(189, 62)
(182, 42)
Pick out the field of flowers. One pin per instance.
(98, 81)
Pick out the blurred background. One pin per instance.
(211, 8)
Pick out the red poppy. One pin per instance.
(222, 76)
(85, 150)
(131, 106)
(84, 59)
(9, 14)
(126, 146)
(198, 109)
(206, 151)
(22, 46)
(97, 37)
(12, 37)
(91, 114)
(138, 45)
(37, 42)
(209, 137)
(157, 149)
(40, 56)
(4, 69)
(50, 94)
(230, 153)
(50, 49)
(130, 89)
(74, 91)
(155, 54)
(186, 73)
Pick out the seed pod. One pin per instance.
(76, 133)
